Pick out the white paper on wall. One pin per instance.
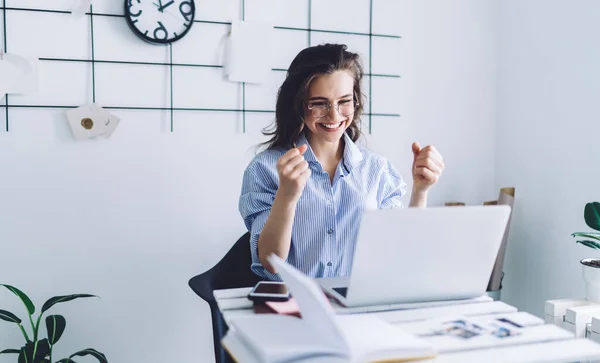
(248, 54)
(90, 121)
(18, 74)
(79, 8)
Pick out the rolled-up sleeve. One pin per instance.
(258, 193)
(392, 187)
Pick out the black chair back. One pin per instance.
(231, 272)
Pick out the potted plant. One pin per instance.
(591, 266)
(37, 350)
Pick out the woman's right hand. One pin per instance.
(293, 173)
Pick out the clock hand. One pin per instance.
(159, 6)
(175, 16)
(163, 7)
(168, 12)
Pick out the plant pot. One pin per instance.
(591, 276)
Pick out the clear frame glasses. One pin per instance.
(321, 109)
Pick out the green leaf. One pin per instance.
(10, 351)
(590, 244)
(591, 214)
(55, 325)
(24, 298)
(34, 352)
(61, 299)
(23, 356)
(587, 235)
(93, 352)
(10, 317)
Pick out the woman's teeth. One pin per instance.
(332, 126)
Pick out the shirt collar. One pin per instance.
(352, 154)
(309, 155)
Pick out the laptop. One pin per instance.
(415, 255)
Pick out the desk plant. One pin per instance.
(591, 266)
(36, 349)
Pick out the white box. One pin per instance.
(577, 317)
(556, 320)
(596, 325)
(595, 330)
(555, 310)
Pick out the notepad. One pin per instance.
(289, 307)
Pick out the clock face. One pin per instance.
(160, 21)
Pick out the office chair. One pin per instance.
(232, 271)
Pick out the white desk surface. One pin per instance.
(556, 348)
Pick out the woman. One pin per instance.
(303, 197)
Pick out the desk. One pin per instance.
(233, 303)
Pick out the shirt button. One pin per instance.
(329, 263)
(330, 231)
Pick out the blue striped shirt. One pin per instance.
(328, 213)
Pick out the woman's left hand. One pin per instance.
(427, 168)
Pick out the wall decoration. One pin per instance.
(18, 74)
(91, 121)
(181, 15)
(160, 21)
(79, 8)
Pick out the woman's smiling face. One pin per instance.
(327, 124)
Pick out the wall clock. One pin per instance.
(160, 21)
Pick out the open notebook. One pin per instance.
(320, 336)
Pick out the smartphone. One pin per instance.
(269, 291)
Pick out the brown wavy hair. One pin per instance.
(309, 64)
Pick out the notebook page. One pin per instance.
(280, 338)
(315, 309)
(372, 339)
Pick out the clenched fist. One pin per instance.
(293, 173)
(427, 167)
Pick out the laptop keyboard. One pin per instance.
(341, 290)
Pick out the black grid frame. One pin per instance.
(243, 110)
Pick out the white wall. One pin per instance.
(450, 93)
(132, 218)
(548, 113)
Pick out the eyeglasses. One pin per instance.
(321, 108)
